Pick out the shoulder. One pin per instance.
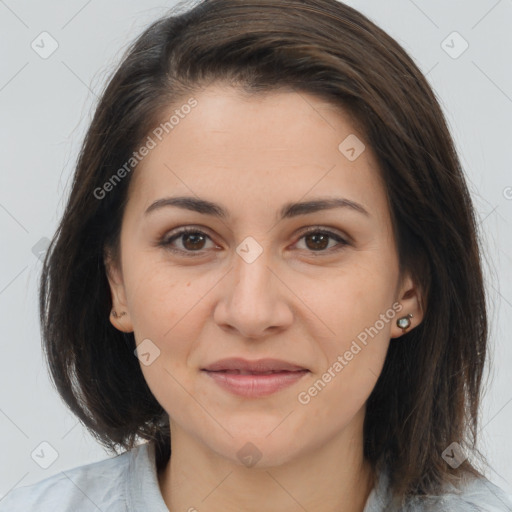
(473, 495)
(97, 486)
(480, 494)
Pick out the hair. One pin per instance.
(428, 393)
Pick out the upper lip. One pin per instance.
(258, 365)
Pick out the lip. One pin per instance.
(257, 366)
(252, 379)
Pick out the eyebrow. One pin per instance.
(288, 211)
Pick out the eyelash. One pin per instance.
(168, 240)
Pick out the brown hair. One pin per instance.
(428, 393)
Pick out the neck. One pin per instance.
(333, 477)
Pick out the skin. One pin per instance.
(251, 155)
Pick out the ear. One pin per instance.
(121, 320)
(411, 299)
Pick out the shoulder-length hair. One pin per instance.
(428, 393)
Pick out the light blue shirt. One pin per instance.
(129, 483)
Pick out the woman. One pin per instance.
(269, 213)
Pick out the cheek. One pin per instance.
(159, 297)
(358, 309)
(168, 306)
(354, 356)
(165, 307)
(356, 296)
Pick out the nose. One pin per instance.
(255, 300)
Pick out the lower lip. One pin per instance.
(254, 386)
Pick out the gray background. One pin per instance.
(46, 105)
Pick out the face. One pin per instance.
(317, 288)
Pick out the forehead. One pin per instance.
(272, 148)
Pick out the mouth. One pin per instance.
(257, 366)
(247, 372)
(253, 379)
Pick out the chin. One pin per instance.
(255, 448)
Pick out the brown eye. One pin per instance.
(192, 241)
(186, 241)
(318, 241)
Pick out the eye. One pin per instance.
(191, 239)
(317, 240)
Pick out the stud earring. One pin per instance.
(115, 315)
(404, 322)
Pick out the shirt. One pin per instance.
(128, 483)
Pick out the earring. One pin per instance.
(404, 323)
(115, 315)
